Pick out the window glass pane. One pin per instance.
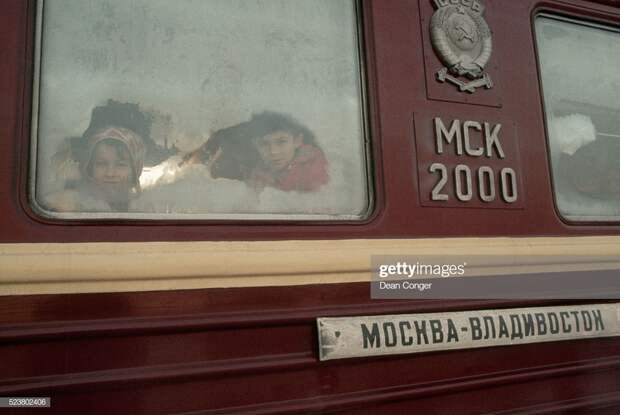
(249, 109)
(581, 84)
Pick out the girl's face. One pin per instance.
(111, 168)
(278, 149)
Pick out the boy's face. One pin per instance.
(278, 149)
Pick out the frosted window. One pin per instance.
(199, 109)
(581, 85)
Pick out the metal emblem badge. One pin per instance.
(462, 40)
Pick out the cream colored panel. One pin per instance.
(108, 267)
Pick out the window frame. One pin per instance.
(368, 158)
(580, 20)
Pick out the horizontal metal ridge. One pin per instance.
(240, 367)
(350, 401)
(615, 3)
(205, 369)
(589, 402)
(251, 318)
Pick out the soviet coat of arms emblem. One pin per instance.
(462, 40)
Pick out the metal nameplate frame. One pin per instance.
(347, 337)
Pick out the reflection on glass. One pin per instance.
(581, 86)
(212, 109)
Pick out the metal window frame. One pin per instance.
(206, 217)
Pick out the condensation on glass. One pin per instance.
(581, 86)
(199, 109)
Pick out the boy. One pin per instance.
(290, 159)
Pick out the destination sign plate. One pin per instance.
(346, 337)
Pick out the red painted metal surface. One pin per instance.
(254, 350)
(397, 85)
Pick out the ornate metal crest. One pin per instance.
(462, 40)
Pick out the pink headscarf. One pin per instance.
(132, 141)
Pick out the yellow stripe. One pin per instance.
(111, 267)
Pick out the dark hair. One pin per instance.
(268, 122)
(235, 133)
(121, 114)
(595, 161)
(114, 113)
(239, 155)
(131, 117)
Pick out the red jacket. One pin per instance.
(305, 173)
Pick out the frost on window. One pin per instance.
(199, 109)
(581, 87)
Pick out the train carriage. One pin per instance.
(282, 207)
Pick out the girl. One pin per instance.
(110, 168)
